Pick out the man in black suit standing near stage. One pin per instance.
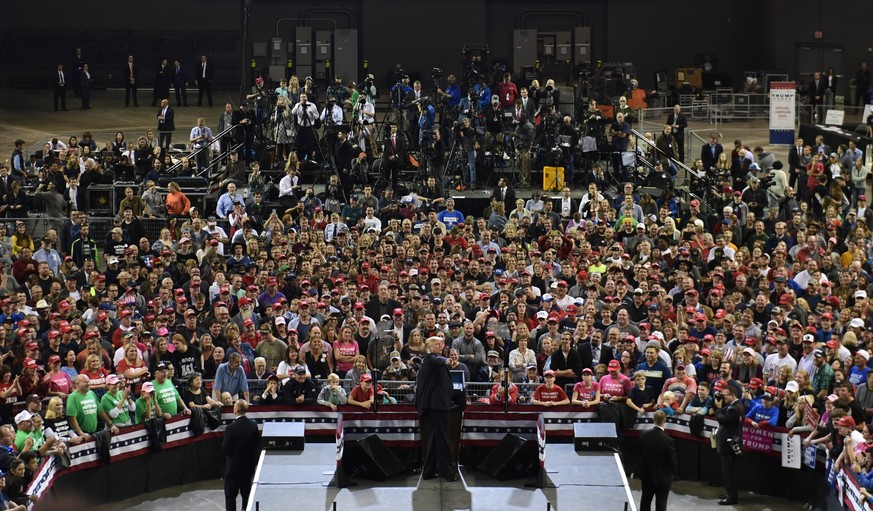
(131, 79)
(433, 398)
(710, 152)
(729, 413)
(816, 92)
(166, 123)
(505, 193)
(242, 446)
(678, 121)
(179, 83)
(59, 82)
(204, 80)
(658, 460)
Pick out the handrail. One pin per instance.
(197, 151)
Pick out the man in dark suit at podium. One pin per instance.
(433, 398)
(242, 446)
(658, 460)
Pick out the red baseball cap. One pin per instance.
(614, 364)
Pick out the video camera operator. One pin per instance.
(452, 93)
(620, 132)
(305, 115)
(245, 120)
(258, 97)
(331, 118)
(368, 89)
(523, 141)
(338, 91)
(466, 136)
(592, 119)
(549, 95)
(493, 124)
(426, 116)
(311, 91)
(568, 138)
(399, 93)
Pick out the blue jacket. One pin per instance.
(764, 416)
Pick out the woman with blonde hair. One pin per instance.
(132, 365)
(57, 425)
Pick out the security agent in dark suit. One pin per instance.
(395, 153)
(710, 152)
(730, 414)
(59, 86)
(166, 124)
(678, 121)
(242, 446)
(433, 399)
(130, 75)
(658, 460)
(180, 83)
(595, 352)
(204, 80)
(505, 193)
(816, 88)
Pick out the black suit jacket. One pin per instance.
(242, 446)
(816, 94)
(179, 76)
(794, 158)
(680, 121)
(375, 310)
(125, 73)
(708, 158)
(508, 200)
(200, 73)
(584, 349)
(399, 149)
(658, 457)
(56, 81)
(433, 386)
(169, 123)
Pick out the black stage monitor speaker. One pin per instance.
(283, 436)
(372, 460)
(594, 436)
(514, 457)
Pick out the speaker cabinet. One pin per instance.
(514, 457)
(372, 460)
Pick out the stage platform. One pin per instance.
(573, 478)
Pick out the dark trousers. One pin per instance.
(60, 94)
(204, 87)
(438, 457)
(658, 493)
(236, 485)
(165, 136)
(130, 90)
(85, 92)
(729, 474)
(181, 94)
(391, 167)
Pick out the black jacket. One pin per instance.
(433, 388)
(658, 457)
(730, 425)
(242, 446)
(308, 389)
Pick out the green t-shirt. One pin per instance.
(21, 437)
(84, 409)
(108, 402)
(168, 396)
(141, 410)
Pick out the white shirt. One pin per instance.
(286, 185)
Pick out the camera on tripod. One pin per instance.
(399, 73)
(436, 73)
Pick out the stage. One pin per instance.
(572, 478)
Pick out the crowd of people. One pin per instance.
(756, 302)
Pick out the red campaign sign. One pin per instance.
(812, 416)
(760, 440)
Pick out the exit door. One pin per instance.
(818, 57)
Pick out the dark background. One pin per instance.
(652, 34)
